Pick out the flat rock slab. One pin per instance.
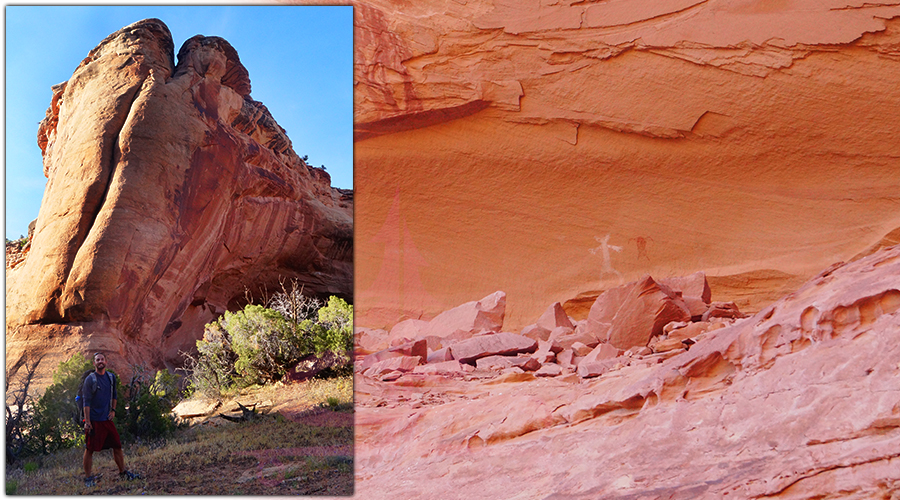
(526, 363)
(549, 370)
(503, 343)
(588, 369)
(401, 364)
(192, 409)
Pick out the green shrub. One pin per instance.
(146, 406)
(336, 320)
(264, 342)
(257, 345)
(56, 423)
(212, 371)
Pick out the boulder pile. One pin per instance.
(640, 323)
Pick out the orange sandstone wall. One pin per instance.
(554, 150)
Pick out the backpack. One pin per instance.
(79, 396)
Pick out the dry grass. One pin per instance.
(273, 454)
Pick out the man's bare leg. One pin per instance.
(88, 462)
(119, 457)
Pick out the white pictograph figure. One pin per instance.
(604, 249)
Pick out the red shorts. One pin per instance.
(102, 436)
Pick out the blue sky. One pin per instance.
(300, 60)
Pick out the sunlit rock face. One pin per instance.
(171, 192)
(554, 150)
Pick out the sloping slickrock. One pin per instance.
(503, 343)
(170, 193)
(694, 329)
(798, 401)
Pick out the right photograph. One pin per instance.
(627, 249)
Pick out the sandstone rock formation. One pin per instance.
(800, 400)
(499, 142)
(171, 192)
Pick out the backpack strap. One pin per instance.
(112, 383)
(92, 380)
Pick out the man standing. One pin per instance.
(99, 409)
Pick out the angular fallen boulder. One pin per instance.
(723, 310)
(369, 340)
(440, 356)
(506, 343)
(549, 370)
(588, 369)
(408, 329)
(485, 315)
(554, 317)
(644, 308)
(414, 348)
(536, 332)
(400, 364)
(692, 285)
(601, 352)
(526, 363)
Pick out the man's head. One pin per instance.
(99, 362)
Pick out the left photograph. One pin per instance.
(179, 250)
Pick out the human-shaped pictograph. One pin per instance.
(603, 249)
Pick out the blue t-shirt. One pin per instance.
(99, 401)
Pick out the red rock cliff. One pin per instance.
(170, 192)
(556, 149)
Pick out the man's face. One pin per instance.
(99, 361)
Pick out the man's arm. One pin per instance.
(112, 409)
(88, 395)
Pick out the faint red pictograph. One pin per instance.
(398, 284)
(641, 244)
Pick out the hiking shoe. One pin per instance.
(91, 481)
(127, 474)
